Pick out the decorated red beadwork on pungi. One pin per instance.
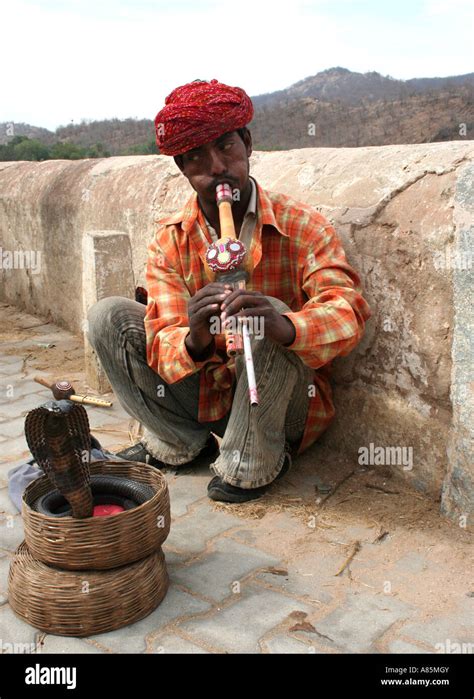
(225, 255)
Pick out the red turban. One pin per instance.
(199, 112)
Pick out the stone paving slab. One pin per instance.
(3, 476)
(172, 558)
(17, 386)
(13, 428)
(15, 630)
(286, 645)
(11, 532)
(4, 568)
(66, 644)
(48, 329)
(105, 417)
(186, 490)
(445, 631)
(116, 410)
(131, 639)
(18, 407)
(188, 536)
(13, 449)
(10, 368)
(399, 646)
(237, 628)
(172, 643)
(413, 563)
(6, 505)
(357, 623)
(218, 573)
(311, 577)
(9, 359)
(16, 456)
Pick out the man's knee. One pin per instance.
(103, 315)
(278, 305)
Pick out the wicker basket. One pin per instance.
(99, 543)
(84, 603)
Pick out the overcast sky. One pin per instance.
(65, 60)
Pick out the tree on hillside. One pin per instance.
(149, 148)
(7, 151)
(28, 149)
(67, 151)
(97, 151)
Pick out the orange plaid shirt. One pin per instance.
(298, 258)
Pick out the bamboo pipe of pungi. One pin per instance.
(224, 258)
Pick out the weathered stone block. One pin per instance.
(107, 265)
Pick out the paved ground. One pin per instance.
(266, 577)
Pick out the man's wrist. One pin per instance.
(199, 353)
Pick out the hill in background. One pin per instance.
(335, 108)
(342, 85)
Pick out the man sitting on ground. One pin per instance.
(168, 366)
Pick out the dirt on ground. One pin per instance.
(45, 348)
(367, 521)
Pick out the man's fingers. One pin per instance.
(211, 289)
(255, 311)
(198, 304)
(244, 301)
(217, 297)
(236, 293)
(205, 313)
(212, 293)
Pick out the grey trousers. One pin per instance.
(254, 439)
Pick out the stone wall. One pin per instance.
(405, 216)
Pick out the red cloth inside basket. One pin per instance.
(106, 510)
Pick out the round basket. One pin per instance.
(84, 603)
(100, 542)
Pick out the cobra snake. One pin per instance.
(58, 436)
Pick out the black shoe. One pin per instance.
(138, 452)
(224, 492)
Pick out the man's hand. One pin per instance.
(276, 326)
(203, 305)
